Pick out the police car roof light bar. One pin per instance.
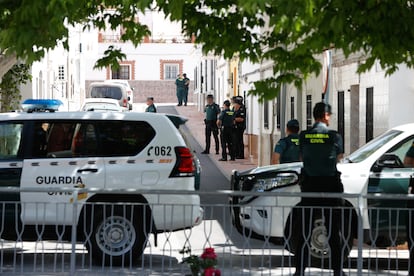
(41, 105)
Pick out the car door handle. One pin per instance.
(88, 170)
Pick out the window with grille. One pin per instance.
(122, 73)
(171, 71)
(61, 72)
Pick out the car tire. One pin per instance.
(319, 249)
(118, 235)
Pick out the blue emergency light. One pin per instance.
(41, 105)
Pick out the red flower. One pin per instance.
(217, 272)
(209, 271)
(209, 254)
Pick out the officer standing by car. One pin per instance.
(287, 148)
(239, 126)
(225, 123)
(150, 105)
(212, 110)
(320, 150)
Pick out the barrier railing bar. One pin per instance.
(360, 234)
(214, 192)
(73, 234)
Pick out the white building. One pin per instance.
(151, 68)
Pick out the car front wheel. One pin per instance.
(119, 236)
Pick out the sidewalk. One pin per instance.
(196, 126)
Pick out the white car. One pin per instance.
(101, 105)
(376, 167)
(129, 89)
(96, 150)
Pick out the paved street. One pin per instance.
(237, 255)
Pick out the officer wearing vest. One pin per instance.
(239, 126)
(211, 110)
(225, 123)
(287, 149)
(150, 105)
(320, 150)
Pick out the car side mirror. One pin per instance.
(389, 160)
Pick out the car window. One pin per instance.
(10, 140)
(64, 140)
(111, 92)
(401, 149)
(365, 151)
(124, 138)
(85, 142)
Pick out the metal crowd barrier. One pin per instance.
(382, 250)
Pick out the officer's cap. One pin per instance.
(226, 103)
(320, 109)
(210, 96)
(238, 101)
(293, 123)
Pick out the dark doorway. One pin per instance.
(369, 116)
(341, 114)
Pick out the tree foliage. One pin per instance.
(10, 84)
(289, 32)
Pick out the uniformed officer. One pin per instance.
(211, 110)
(186, 88)
(150, 105)
(239, 126)
(287, 149)
(409, 162)
(225, 123)
(320, 150)
(180, 89)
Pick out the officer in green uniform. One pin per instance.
(287, 149)
(320, 150)
(150, 105)
(186, 88)
(225, 123)
(239, 125)
(211, 110)
(180, 88)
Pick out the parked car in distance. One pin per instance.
(108, 90)
(129, 89)
(375, 168)
(101, 105)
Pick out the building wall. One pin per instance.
(162, 91)
(148, 58)
(355, 88)
(401, 97)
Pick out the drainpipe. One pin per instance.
(283, 110)
(274, 126)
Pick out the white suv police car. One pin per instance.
(90, 150)
(375, 168)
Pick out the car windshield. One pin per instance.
(106, 92)
(101, 107)
(365, 151)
